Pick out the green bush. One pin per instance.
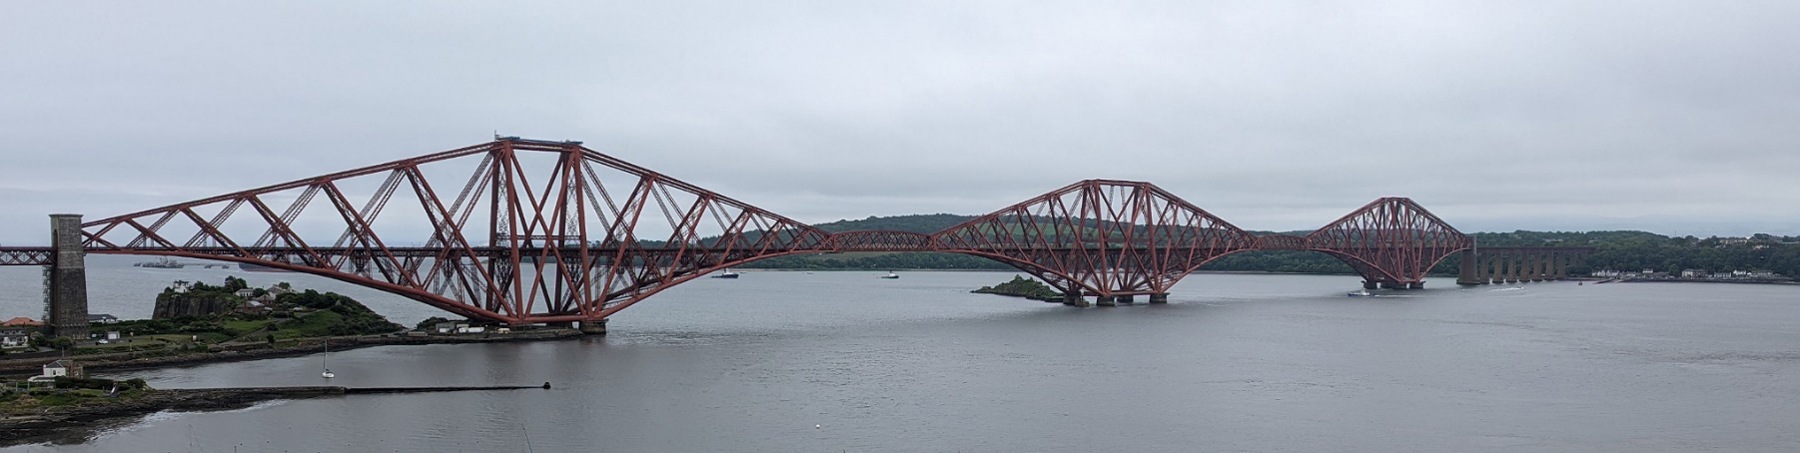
(66, 382)
(430, 323)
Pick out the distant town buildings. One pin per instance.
(1692, 275)
(16, 336)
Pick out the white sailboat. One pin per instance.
(327, 374)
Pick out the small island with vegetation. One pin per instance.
(195, 322)
(236, 313)
(1023, 287)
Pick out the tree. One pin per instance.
(232, 284)
(431, 322)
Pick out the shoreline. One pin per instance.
(902, 269)
(55, 424)
(1702, 280)
(239, 352)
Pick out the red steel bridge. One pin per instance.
(522, 231)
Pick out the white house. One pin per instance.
(59, 368)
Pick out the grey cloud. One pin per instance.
(1496, 115)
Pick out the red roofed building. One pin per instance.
(22, 322)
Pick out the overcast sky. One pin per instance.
(1674, 117)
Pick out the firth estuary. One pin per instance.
(847, 361)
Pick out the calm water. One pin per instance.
(1233, 363)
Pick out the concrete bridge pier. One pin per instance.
(1469, 272)
(1512, 269)
(1074, 299)
(1371, 285)
(1106, 301)
(594, 327)
(1495, 273)
(66, 315)
(1538, 270)
(1159, 298)
(1126, 299)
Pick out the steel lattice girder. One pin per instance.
(538, 232)
(26, 256)
(881, 241)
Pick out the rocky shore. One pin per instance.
(256, 351)
(55, 422)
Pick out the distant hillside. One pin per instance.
(919, 223)
(1615, 250)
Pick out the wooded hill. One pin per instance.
(1622, 250)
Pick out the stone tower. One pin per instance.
(68, 279)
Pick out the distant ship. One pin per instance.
(891, 275)
(727, 274)
(161, 263)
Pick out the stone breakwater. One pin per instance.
(50, 423)
(255, 351)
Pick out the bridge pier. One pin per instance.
(594, 327)
(1106, 301)
(1126, 299)
(1159, 298)
(1074, 299)
(1536, 270)
(1469, 272)
(66, 315)
(1560, 266)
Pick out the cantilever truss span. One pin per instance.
(515, 231)
(1100, 237)
(526, 231)
(1392, 242)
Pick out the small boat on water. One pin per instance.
(891, 275)
(726, 274)
(327, 374)
(1360, 293)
